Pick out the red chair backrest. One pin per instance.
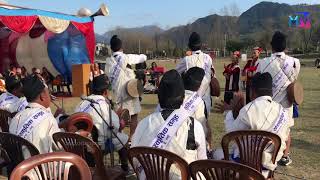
(221, 170)
(52, 166)
(156, 162)
(251, 144)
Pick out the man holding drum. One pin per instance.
(118, 69)
(284, 71)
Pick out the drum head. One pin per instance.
(134, 88)
(79, 117)
(295, 93)
(124, 115)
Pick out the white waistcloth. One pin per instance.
(104, 132)
(261, 114)
(41, 135)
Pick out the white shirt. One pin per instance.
(103, 108)
(201, 60)
(12, 103)
(284, 71)
(261, 114)
(41, 135)
(119, 87)
(148, 128)
(199, 113)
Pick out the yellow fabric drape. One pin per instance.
(53, 24)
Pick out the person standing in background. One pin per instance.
(232, 74)
(118, 69)
(249, 70)
(201, 60)
(95, 71)
(284, 71)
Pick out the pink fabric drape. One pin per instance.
(88, 30)
(19, 24)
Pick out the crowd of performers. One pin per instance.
(180, 121)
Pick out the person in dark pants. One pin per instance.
(249, 70)
(232, 75)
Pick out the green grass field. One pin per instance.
(305, 150)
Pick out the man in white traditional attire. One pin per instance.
(13, 100)
(262, 113)
(192, 81)
(36, 123)
(101, 103)
(118, 69)
(198, 59)
(189, 140)
(284, 71)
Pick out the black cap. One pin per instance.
(262, 83)
(279, 41)
(100, 83)
(194, 41)
(115, 43)
(32, 87)
(12, 83)
(192, 78)
(171, 90)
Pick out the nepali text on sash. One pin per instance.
(174, 121)
(31, 123)
(115, 72)
(7, 100)
(86, 108)
(281, 121)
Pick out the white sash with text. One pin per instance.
(31, 123)
(115, 72)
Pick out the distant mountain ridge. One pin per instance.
(213, 28)
(146, 30)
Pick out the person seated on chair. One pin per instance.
(192, 81)
(119, 70)
(262, 113)
(36, 123)
(188, 141)
(101, 103)
(13, 100)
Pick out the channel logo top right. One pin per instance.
(300, 20)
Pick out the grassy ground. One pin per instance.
(305, 150)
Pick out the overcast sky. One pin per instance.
(133, 13)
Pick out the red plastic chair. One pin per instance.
(156, 163)
(251, 144)
(52, 166)
(222, 170)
